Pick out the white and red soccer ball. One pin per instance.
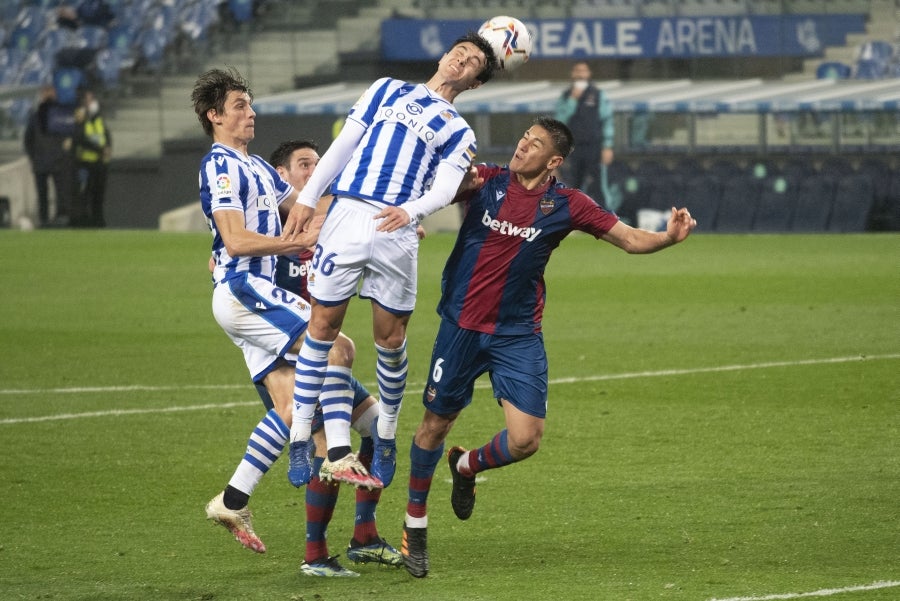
(510, 39)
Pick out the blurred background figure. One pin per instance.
(93, 149)
(47, 141)
(586, 110)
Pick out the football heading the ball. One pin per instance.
(510, 39)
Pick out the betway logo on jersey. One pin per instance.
(301, 270)
(509, 229)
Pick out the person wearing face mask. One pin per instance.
(92, 145)
(586, 110)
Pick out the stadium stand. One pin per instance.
(67, 81)
(153, 49)
(852, 206)
(812, 209)
(737, 205)
(702, 194)
(775, 207)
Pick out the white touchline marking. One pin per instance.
(135, 388)
(59, 416)
(721, 368)
(623, 376)
(826, 592)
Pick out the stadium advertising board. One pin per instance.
(681, 37)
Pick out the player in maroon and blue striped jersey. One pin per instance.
(491, 307)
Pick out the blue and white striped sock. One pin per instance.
(336, 399)
(312, 362)
(265, 446)
(391, 369)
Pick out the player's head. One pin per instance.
(542, 148)
(559, 133)
(490, 63)
(295, 161)
(581, 71)
(211, 91)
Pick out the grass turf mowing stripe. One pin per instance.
(644, 374)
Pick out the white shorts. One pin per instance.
(262, 319)
(351, 254)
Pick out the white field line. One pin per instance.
(483, 384)
(826, 592)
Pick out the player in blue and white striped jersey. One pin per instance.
(401, 155)
(244, 200)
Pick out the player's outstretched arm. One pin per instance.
(297, 221)
(636, 241)
(241, 242)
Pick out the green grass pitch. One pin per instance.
(723, 424)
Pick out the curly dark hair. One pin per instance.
(210, 91)
(491, 64)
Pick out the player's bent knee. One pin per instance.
(343, 352)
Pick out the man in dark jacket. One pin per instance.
(588, 113)
(47, 142)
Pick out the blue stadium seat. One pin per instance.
(9, 67)
(870, 69)
(737, 206)
(879, 173)
(876, 49)
(9, 10)
(54, 40)
(815, 197)
(667, 192)
(853, 201)
(91, 36)
(241, 10)
(109, 68)
(797, 169)
(197, 19)
(775, 208)
(725, 169)
(121, 40)
(833, 70)
(68, 81)
(689, 167)
(890, 210)
(34, 70)
(22, 40)
(701, 197)
(836, 166)
(638, 188)
(762, 168)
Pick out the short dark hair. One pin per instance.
(559, 133)
(491, 63)
(282, 155)
(211, 89)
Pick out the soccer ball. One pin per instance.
(510, 39)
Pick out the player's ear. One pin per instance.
(213, 116)
(554, 162)
(475, 84)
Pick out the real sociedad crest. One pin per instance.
(547, 205)
(807, 36)
(430, 40)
